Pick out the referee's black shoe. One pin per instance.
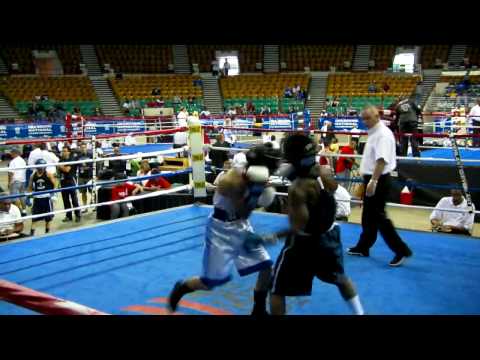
(358, 252)
(400, 259)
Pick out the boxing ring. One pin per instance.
(127, 267)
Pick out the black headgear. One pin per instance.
(262, 155)
(300, 151)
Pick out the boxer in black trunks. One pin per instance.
(313, 247)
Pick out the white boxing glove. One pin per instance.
(267, 197)
(258, 174)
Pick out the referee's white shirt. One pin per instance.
(380, 145)
(475, 113)
(343, 197)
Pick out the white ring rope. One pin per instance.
(402, 205)
(127, 199)
(113, 158)
(406, 158)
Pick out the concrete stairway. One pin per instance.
(6, 110)
(212, 97)
(430, 78)
(89, 58)
(3, 67)
(456, 54)
(181, 62)
(317, 93)
(361, 58)
(108, 103)
(271, 58)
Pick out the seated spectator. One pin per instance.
(344, 165)
(372, 88)
(343, 198)
(386, 87)
(160, 102)
(219, 157)
(452, 222)
(287, 93)
(250, 107)
(204, 114)
(144, 170)
(10, 212)
(121, 191)
(156, 91)
(157, 183)
(227, 165)
(177, 100)
(274, 142)
(126, 106)
(130, 140)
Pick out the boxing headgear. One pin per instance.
(300, 151)
(264, 155)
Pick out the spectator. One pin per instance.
(85, 173)
(10, 212)
(126, 106)
(386, 87)
(215, 68)
(334, 147)
(344, 165)
(452, 222)
(407, 114)
(156, 91)
(160, 102)
(67, 179)
(17, 178)
(157, 183)
(219, 157)
(177, 100)
(98, 112)
(355, 130)
(343, 198)
(474, 116)
(180, 139)
(227, 165)
(274, 142)
(287, 93)
(182, 117)
(418, 92)
(250, 107)
(231, 112)
(130, 140)
(226, 67)
(117, 166)
(41, 180)
(144, 170)
(204, 114)
(372, 88)
(119, 192)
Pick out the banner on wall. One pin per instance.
(343, 123)
(38, 130)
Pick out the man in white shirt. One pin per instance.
(17, 177)
(182, 117)
(474, 116)
(452, 222)
(130, 140)
(10, 212)
(378, 161)
(41, 152)
(342, 197)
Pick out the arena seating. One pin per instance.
(473, 54)
(136, 59)
(382, 55)
(248, 55)
(351, 89)
(71, 91)
(140, 88)
(450, 97)
(69, 56)
(317, 57)
(432, 52)
(263, 90)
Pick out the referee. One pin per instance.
(378, 161)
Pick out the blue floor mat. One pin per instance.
(129, 267)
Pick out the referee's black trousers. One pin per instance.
(375, 219)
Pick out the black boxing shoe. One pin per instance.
(358, 252)
(400, 259)
(179, 289)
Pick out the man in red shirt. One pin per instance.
(344, 164)
(121, 191)
(157, 183)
